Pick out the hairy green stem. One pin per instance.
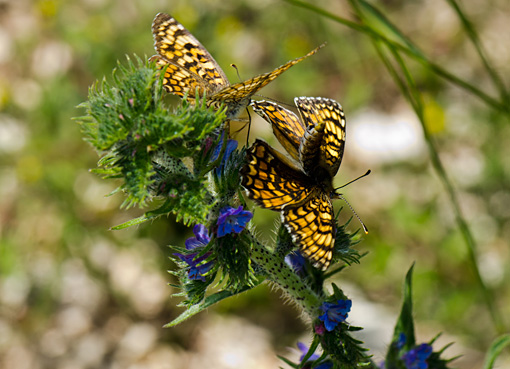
(281, 274)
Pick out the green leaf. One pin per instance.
(311, 349)
(497, 346)
(208, 301)
(405, 322)
(377, 21)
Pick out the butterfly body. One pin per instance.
(300, 187)
(191, 71)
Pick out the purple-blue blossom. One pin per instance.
(232, 220)
(416, 358)
(335, 313)
(197, 269)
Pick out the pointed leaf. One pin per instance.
(208, 301)
(405, 322)
(497, 346)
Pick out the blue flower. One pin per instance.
(335, 313)
(416, 357)
(197, 269)
(296, 261)
(304, 350)
(231, 146)
(232, 220)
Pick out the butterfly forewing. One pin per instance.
(270, 179)
(177, 46)
(286, 126)
(252, 85)
(312, 227)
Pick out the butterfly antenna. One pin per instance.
(347, 202)
(354, 180)
(356, 214)
(237, 71)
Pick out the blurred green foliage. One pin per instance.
(56, 252)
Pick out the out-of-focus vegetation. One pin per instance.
(73, 294)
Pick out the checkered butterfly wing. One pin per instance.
(238, 95)
(312, 227)
(190, 66)
(271, 180)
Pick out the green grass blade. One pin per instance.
(497, 346)
(475, 40)
(437, 69)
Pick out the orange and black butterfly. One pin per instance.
(191, 70)
(300, 187)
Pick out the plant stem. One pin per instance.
(281, 274)
(471, 32)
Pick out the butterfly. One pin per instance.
(191, 71)
(300, 187)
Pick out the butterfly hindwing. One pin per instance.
(179, 81)
(312, 227)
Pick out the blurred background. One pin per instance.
(75, 295)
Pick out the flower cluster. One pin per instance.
(230, 220)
